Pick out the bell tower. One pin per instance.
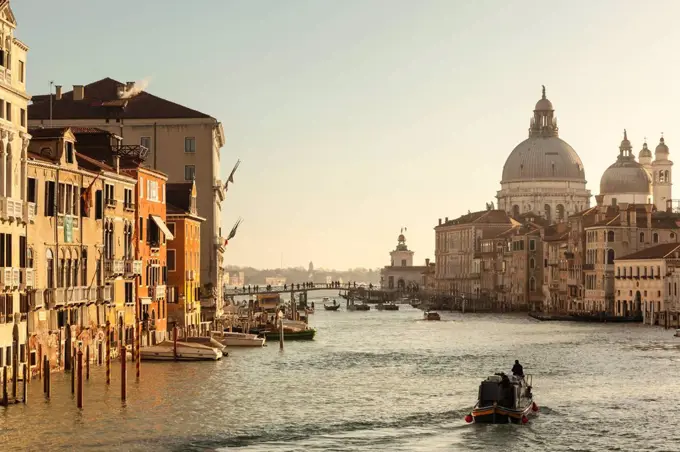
(401, 256)
(662, 176)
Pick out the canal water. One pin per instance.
(378, 381)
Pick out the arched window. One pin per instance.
(532, 284)
(618, 271)
(83, 268)
(666, 176)
(655, 237)
(651, 271)
(560, 213)
(610, 256)
(610, 236)
(532, 263)
(515, 211)
(548, 213)
(29, 257)
(50, 268)
(642, 237)
(661, 176)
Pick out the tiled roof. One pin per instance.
(48, 132)
(656, 252)
(92, 164)
(101, 101)
(482, 217)
(660, 220)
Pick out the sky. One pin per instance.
(356, 118)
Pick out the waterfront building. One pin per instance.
(14, 210)
(543, 174)
(70, 300)
(646, 283)
(458, 249)
(184, 254)
(401, 273)
(274, 280)
(183, 143)
(556, 260)
(236, 278)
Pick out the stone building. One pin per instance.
(556, 267)
(401, 273)
(543, 174)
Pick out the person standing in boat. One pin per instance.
(517, 369)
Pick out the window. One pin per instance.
(141, 229)
(189, 172)
(32, 189)
(8, 111)
(152, 190)
(22, 118)
(146, 142)
(129, 293)
(171, 228)
(642, 237)
(129, 204)
(50, 198)
(532, 284)
(69, 151)
(655, 237)
(83, 268)
(98, 205)
(190, 145)
(22, 71)
(403, 262)
(532, 262)
(61, 191)
(532, 245)
(22, 251)
(610, 236)
(171, 260)
(109, 195)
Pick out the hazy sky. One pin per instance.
(354, 118)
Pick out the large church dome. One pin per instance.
(626, 176)
(543, 156)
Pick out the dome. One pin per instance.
(661, 148)
(625, 176)
(645, 152)
(544, 105)
(401, 238)
(543, 158)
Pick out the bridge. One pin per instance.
(293, 288)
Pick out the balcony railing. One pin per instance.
(36, 300)
(16, 277)
(588, 266)
(133, 267)
(104, 294)
(59, 296)
(110, 202)
(113, 268)
(28, 278)
(157, 292)
(91, 294)
(11, 209)
(76, 295)
(129, 206)
(30, 212)
(6, 278)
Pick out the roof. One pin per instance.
(482, 217)
(92, 164)
(543, 158)
(662, 251)
(101, 101)
(48, 133)
(660, 219)
(178, 195)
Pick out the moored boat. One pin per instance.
(291, 335)
(165, 351)
(390, 306)
(209, 342)
(503, 399)
(429, 315)
(231, 339)
(677, 333)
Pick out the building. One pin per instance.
(626, 180)
(646, 284)
(458, 249)
(236, 278)
(401, 273)
(71, 300)
(556, 259)
(14, 209)
(543, 174)
(183, 143)
(275, 280)
(184, 257)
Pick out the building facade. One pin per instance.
(183, 143)
(184, 254)
(401, 274)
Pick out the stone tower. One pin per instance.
(401, 256)
(662, 176)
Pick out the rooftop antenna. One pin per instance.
(51, 83)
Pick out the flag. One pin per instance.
(231, 175)
(232, 234)
(87, 196)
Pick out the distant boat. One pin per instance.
(390, 307)
(334, 307)
(165, 351)
(431, 316)
(677, 333)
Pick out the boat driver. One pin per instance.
(517, 369)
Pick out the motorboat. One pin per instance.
(358, 307)
(293, 330)
(504, 399)
(185, 351)
(208, 341)
(430, 315)
(231, 339)
(389, 306)
(677, 333)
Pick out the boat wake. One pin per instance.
(289, 433)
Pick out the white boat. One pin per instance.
(239, 339)
(165, 351)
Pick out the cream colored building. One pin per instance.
(647, 283)
(401, 273)
(543, 174)
(184, 144)
(15, 212)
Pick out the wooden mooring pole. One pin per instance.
(281, 335)
(138, 355)
(73, 371)
(100, 353)
(123, 373)
(26, 380)
(174, 343)
(108, 352)
(48, 378)
(87, 362)
(5, 397)
(79, 392)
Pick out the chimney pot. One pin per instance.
(129, 85)
(440, 222)
(446, 220)
(120, 90)
(57, 96)
(78, 92)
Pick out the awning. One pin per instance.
(161, 224)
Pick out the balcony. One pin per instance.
(219, 241)
(129, 206)
(28, 278)
(588, 266)
(218, 186)
(16, 277)
(133, 267)
(76, 295)
(6, 277)
(110, 203)
(11, 209)
(114, 268)
(36, 300)
(104, 294)
(30, 211)
(59, 296)
(90, 294)
(157, 292)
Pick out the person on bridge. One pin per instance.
(518, 370)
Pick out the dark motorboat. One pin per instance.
(429, 315)
(389, 306)
(333, 307)
(504, 399)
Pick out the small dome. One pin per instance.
(544, 105)
(645, 152)
(661, 148)
(625, 176)
(401, 238)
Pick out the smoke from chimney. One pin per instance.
(131, 89)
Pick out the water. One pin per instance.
(378, 381)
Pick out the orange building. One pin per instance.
(184, 257)
(151, 248)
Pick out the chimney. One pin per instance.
(623, 213)
(120, 90)
(648, 211)
(427, 262)
(78, 92)
(116, 163)
(57, 96)
(129, 85)
(599, 199)
(440, 222)
(446, 220)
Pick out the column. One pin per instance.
(3, 169)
